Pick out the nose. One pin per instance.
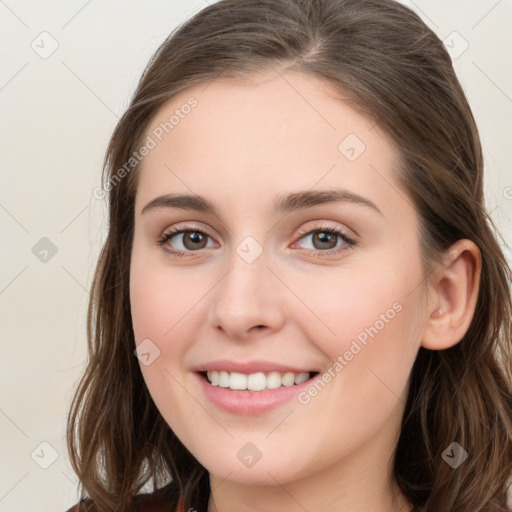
(248, 300)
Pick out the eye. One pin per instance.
(327, 241)
(188, 240)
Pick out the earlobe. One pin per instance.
(453, 297)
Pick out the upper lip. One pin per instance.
(249, 367)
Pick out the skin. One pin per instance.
(241, 146)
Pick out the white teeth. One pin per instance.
(214, 378)
(288, 379)
(223, 379)
(273, 380)
(301, 377)
(255, 381)
(237, 381)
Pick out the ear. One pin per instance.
(453, 296)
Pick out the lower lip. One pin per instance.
(250, 402)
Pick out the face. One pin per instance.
(306, 264)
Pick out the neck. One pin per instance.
(292, 498)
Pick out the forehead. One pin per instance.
(278, 129)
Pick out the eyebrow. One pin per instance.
(283, 204)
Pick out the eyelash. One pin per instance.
(349, 242)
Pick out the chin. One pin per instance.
(271, 469)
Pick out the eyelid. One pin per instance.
(349, 241)
(187, 226)
(324, 224)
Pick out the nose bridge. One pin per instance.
(247, 262)
(245, 285)
(245, 297)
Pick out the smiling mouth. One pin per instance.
(258, 381)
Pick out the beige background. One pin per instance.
(57, 114)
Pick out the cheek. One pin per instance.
(355, 301)
(371, 355)
(159, 304)
(367, 324)
(160, 300)
(167, 308)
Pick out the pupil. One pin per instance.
(194, 237)
(324, 237)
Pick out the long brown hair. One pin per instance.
(395, 70)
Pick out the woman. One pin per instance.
(301, 303)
